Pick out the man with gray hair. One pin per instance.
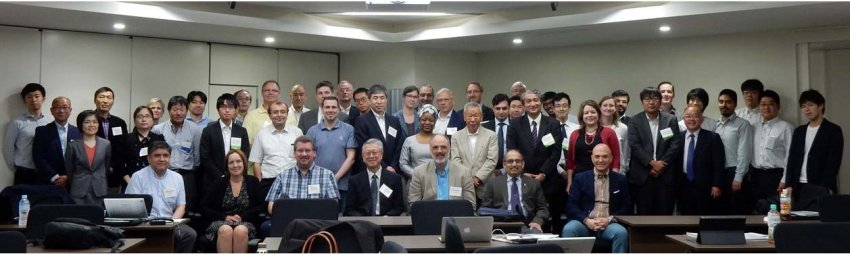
(475, 147)
(518, 89)
(448, 121)
(441, 178)
(375, 191)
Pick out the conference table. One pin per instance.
(130, 245)
(413, 243)
(403, 225)
(157, 238)
(647, 233)
(750, 246)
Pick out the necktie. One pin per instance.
(514, 193)
(563, 130)
(534, 134)
(63, 138)
(374, 189)
(501, 141)
(105, 126)
(690, 162)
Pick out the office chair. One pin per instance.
(40, 215)
(523, 248)
(454, 240)
(834, 208)
(812, 237)
(13, 242)
(286, 210)
(393, 247)
(427, 216)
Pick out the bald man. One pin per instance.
(50, 141)
(518, 89)
(297, 97)
(699, 168)
(441, 178)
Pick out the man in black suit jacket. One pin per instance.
(445, 105)
(621, 98)
(367, 127)
(387, 188)
(498, 192)
(501, 113)
(114, 131)
(653, 149)
(700, 188)
(213, 144)
(474, 91)
(824, 141)
(47, 147)
(541, 149)
(308, 119)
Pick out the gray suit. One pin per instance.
(310, 118)
(423, 184)
(495, 195)
(482, 163)
(88, 181)
(652, 195)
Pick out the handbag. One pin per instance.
(333, 246)
(77, 233)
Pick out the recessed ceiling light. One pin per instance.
(367, 13)
(269, 39)
(119, 26)
(664, 28)
(517, 41)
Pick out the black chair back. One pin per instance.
(13, 242)
(393, 247)
(523, 248)
(286, 210)
(148, 199)
(812, 237)
(40, 215)
(427, 216)
(834, 208)
(454, 240)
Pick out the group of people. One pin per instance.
(525, 152)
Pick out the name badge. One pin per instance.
(451, 131)
(454, 191)
(170, 192)
(116, 131)
(392, 131)
(386, 190)
(313, 189)
(548, 140)
(565, 144)
(143, 152)
(235, 143)
(666, 133)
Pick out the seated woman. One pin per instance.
(233, 203)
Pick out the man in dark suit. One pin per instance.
(539, 141)
(474, 91)
(380, 125)
(112, 128)
(591, 215)
(361, 105)
(219, 138)
(621, 98)
(815, 154)
(699, 167)
(448, 120)
(312, 117)
(652, 138)
(503, 192)
(499, 124)
(50, 142)
(376, 183)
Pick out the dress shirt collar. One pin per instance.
(689, 133)
(728, 120)
(224, 125)
(377, 173)
(771, 121)
(381, 116)
(506, 122)
(63, 125)
(334, 127)
(281, 131)
(601, 175)
(34, 117)
(509, 178)
(537, 119)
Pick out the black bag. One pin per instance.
(76, 233)
(500, 214)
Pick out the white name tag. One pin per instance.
(565, 144)
(451, 131)
(385, 190)
(392, 131)
(313, 189)
(235, 143)
(170, 192)
(455, 191)
(116, 131)
(666, 133)
(143, 152)
(548, 140)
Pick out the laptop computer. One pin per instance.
(125, 208)
(572, 244)
(472, 229)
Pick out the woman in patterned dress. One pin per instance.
(233, 203)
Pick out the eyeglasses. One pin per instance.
(61, 108)
(410, 96)
(651, 99)
(508, 162)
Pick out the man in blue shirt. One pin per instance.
(166, 189)
(334, 145)
(441, 178)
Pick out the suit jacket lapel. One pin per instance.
(374, 122)
(218, 139)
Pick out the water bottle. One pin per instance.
(773, 219)
(23, 211)
(785, 205)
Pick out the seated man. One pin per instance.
(166, 189)
(529, 196)
(590, 214)
(441, 179)
(375, 184)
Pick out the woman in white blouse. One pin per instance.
(610, 119)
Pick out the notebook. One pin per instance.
(472, 229)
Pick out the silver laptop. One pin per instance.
(572, 244)
(125, 208)
(472, 229)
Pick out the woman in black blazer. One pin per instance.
(233, 203)
(136, 156)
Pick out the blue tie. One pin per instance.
(690, 162)
(514, 194)
(501, 141)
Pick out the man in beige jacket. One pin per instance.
(440, 178)
(475, 148)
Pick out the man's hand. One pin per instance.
(496, 172)
(475, 181)
(715, 192)
(61, 181)
(237, 218)
(540, 177)
(658, 165)
(391, 169)
(591, 224)
(602, 223)
(529, 175)
(736, 186)
(535, 225)
(781, 186)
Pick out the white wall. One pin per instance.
(307, 68)
(447, 68)
(21, 53)
(164, 68)
(837, 88)
(392, 67)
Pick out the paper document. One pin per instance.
(749, 236)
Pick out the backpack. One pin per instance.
(76, 233)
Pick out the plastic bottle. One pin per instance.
(773, 219)
(23, 211)
(785, 205)
(261, 248)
